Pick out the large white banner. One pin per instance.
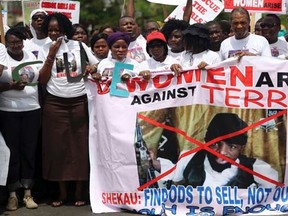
(151, 148)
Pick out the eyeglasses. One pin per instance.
(14, 43)
(36, 17)
(268, 25)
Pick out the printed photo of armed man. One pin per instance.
(205, 168)
(261, 148)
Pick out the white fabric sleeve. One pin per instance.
(180, 167)
(3, 55)
(166, 165)
(265, 169)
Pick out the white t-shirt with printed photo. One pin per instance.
(252, 43)
(58, 84)
(279, 49)
(137, 49)
(20, 100)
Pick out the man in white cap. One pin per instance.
(37, 17)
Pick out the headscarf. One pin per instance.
(115, 36)
(33, 32)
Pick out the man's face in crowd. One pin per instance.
(215, 33)
(240, 25)
(151, 27)
(270, 29)
(231, 151)
(128, 25)
(37, 20)
(257, 28)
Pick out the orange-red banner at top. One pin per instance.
(272, 6)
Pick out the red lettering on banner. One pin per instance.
(199, 7)
(72, 6)
(211, 5)
(196, 18)
(158, 84)
(211, 73)
(49, 5)
(131, 84)
(120, 198)
(229, 96)
(188, 76)
(62, 6)
(211, 92)
(248, 99)
(246, 80)
(67, 14)
(271, 99)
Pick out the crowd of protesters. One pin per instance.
(50, 98)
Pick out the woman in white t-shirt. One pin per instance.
(118, 43)
(19, 117)
(197, 54)
(65, 109)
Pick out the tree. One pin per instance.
(103, 12)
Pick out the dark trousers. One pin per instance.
(20, 131)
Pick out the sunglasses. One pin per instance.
(36, 17)
(268, 25)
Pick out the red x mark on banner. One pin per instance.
(205, 146)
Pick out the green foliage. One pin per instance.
(98, 13)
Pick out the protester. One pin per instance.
(243, 43)
(65, 113)
(159, 62)
(271, 25)
(216, 35)
(19, 118)
(136, 49)
(257, 27)
(80, 33)
(172, 31)
(118, 43)
(197, 54)
(149, 27)
(99, 46)
(208, 169)
(39, 38)
(226, 28)
(157, 49)
(106, 29)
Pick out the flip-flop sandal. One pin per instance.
(58, 203)
(80, 203)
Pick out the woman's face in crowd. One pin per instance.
(157, 50)
(101, 48)
(54, 30)
(175, 41)
(14, 45)
(119, 50)
(80, 35)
